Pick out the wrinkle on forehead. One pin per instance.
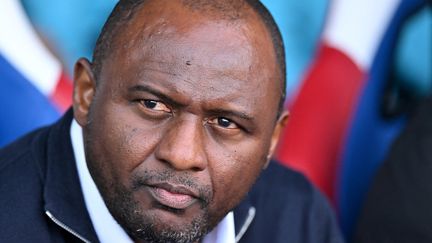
(198, 49)
(173, 77)
(171, 19)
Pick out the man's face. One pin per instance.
(181, 122)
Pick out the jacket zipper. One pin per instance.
(65, 227)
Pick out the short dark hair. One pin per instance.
(125, 9)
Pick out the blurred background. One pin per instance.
(356, 69)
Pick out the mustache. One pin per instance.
(151, 177)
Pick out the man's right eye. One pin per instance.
(155, 105)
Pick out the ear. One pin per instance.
(280, 124)
(84, 90)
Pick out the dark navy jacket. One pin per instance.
(41, 198)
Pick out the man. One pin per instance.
(174, 121)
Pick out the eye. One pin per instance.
(224, 123)
(155, 105)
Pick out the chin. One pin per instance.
(160, 230)
(157, 223)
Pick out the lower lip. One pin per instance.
(172, 200)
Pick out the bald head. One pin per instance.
(216, 10)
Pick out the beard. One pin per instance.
(142, 225)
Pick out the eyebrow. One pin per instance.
(225, 112)
(148, 89)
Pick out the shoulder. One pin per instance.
(25, 150)
(22, 176)
(21, 179)
(22, 165)
(288, 205)
(281, 185)
(277, 176)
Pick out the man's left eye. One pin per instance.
(155, 105)
(223, 122)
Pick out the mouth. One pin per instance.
(176, 197)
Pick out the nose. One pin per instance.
(181, 146)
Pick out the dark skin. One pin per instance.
(182, 118)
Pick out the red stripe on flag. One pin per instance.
(320, 115)
(62, 95)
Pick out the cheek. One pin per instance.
(234, 171)
(121, 142)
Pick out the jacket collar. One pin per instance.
(64, 202)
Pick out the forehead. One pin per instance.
(171, 23)
(188, 45)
